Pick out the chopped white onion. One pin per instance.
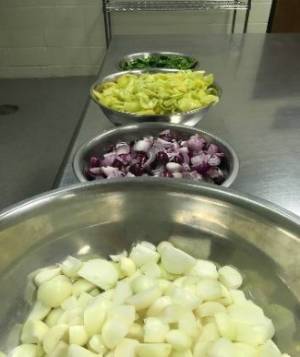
(204, 269)
(78, 351)
(54, 291)
(143, 253)
(221, 348)
(78, 335)
(39, 311)
(70, 266)
(179, 340)
(153, 350)
(209, 289)
(100, 272)
(94, 316)
(96, 344)
(149, 303)
(53, 336)
(155, 330)
(174, 260)
(82, 285)
(126, 348)
(46, 274)
(230, 277)
(33, 331)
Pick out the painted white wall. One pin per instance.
(40, 38)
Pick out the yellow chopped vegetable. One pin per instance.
(158, 93)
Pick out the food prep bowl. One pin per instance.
(100, 145)
(190, 118)
(105, 218)
(143, 55)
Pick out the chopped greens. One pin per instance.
(159, 61)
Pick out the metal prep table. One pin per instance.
(259, 112)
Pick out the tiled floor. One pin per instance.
(33, 140)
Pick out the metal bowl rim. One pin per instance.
(127, 128)
(259, 205)
(144, 54)
(140, 71)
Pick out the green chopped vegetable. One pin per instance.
(160, 61)
(158, 93)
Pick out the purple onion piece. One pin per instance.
(129, 174)
(94, 161)
(122, 148)
(164, 143)
(194, 175)
(108, 159)
(111, 172)
(162, 157)
(212, 149)
(196, 143)
(118, 164)
(141, 158)
(214, 160)
(178, 159)
(136, 169)
(143, 145)
(173, 167)
(151, 159)
(199, 159)
(177, 175)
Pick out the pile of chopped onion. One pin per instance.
(164, 156)
(153, 302)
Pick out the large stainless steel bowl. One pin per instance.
(144, 55)
(100, 145)
(209, 222)
(190, 118)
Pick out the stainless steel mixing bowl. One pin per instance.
(143, 55)
(190, 118)
(100, 144)
(207, 221)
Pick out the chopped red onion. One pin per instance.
(94, 161)
(110, 171)
(212, 149)
(143, 145)
(151, 158)
(108, 159)
(196, 143)
(214, 160)
(177, 175)
(164, 156)
(173, 167)
(199, 159)
(122, 148)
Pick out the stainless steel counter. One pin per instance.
(259, 113)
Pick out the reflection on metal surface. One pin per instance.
(84, 250)
(200, 248)
(287, 117)
(6, 109)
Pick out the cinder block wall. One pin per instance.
(41, 38)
